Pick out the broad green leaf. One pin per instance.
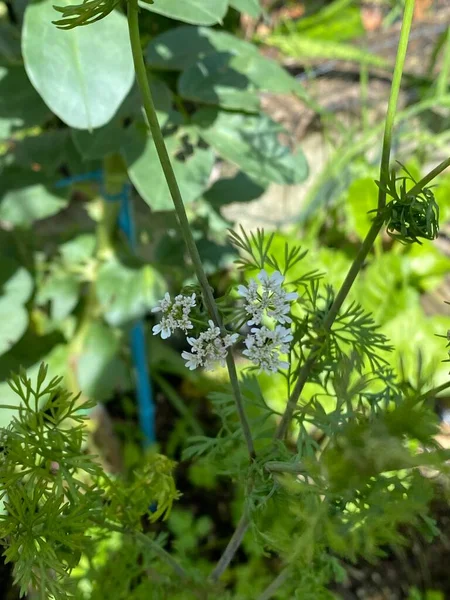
(13, 323)
(192, 170)
(108, 139)
(16, 282)
(78, 250)
(233, 81)
(249, 7)
(82, 74)
(362, 198)
(197, 12)
(239, 188)
(98, 143)
(28, 198)
(20, 104)
(126, 293)
(384, 288)
(179, 48)
(54, 357)
(302, 47)
(16, 286)
(415, 340)
(9, 44)
(99, 370)
(44, 152)
(214, 80)
(184, 46)
(428, 265)
(61, 290)
(338, 21)
(252, 143)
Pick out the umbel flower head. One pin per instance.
(175, 314)
(268, 297)
(209, 348)
(264, 347)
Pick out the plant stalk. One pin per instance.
(393, 98)
(158, 139)
(231, 548)
(367, 244)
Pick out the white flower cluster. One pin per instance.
(264, 298)
(264, 346)
(209, 348)
(175, 314)
(267, 297)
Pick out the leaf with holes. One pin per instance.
(192, 165)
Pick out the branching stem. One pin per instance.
(158, 139)
(367, 244)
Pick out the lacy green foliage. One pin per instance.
(55, 495)
(46, 483)
(151, 491)
(85, 13)
(409, 216)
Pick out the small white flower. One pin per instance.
(265, 346)
(175, 315)
(272, 299)
(208, 349)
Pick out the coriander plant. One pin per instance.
(315, 485)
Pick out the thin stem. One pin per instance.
(435, 391)
(305, 370)
(442, 82)
(274, 466)
(158, 138)
(393, 98)
(147, 541)
(231, 548)
(350, 149)
(275, 585)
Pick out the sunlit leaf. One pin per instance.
(82, 74)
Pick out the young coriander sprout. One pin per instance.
(272, 300)
(175, 315)
(209, 348)
(264, 347)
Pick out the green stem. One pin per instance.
(231, 549)
(393, 98)
(275, 585)
(442, 82)
(357, 264)
(351, 149)
(158, 139)
(154, 546)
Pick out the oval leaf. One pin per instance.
(197, 12)
(20, 104)
(126, 293)
(252, 143)
(29, 198)
(82, 74)
(249, 7)
(192, 170)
